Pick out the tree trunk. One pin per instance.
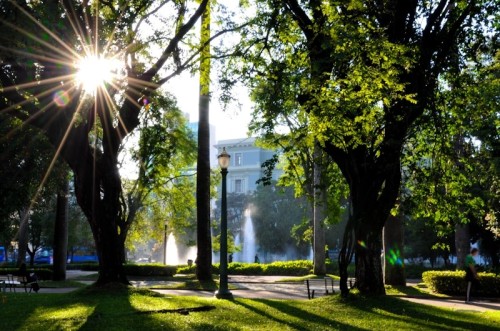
(374, 188)
(101, 202)
(369, 278)
(61, 234)
(462, 243)
(23, 236)
(204, 239)
(394, 272)
(319, 215)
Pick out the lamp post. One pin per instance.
(165, 244)
(223, 292)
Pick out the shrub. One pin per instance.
(238, 268)
(86, 266)
(149, 270)
(288, 268)
(41, 273)
(278, 268)
(416, 270)
(186, 270)
(453, 282)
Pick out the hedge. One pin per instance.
(278, 268)
(149, 270)
(41, 273)
(453, 283)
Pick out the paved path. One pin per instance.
(454, 304)
(265, 287)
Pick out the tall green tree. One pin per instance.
(41, 42)
(450, 165)
(163, 193)
(275, 211)
(365, 73)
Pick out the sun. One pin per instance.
(94, 72)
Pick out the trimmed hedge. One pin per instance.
(149, 270)
(278, 268)
(453, 283)
(86, 266)
(42, 273)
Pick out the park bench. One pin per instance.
(12, 282)
(319, 284)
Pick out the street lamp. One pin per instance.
(223, 292)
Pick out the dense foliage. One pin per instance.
(42, 44)
(366, 75)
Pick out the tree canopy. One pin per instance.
(44, 45)
(366, 74)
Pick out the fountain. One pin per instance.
(237, 242)
(172, 251)
(249, 248)
(179, 253)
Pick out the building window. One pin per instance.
(237, 159)
(238, 186)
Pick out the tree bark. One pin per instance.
(374, 187)
(204, 239)
(319, 206)
(369, 278)
(394, 272)
(462, 243)
(23, 237)
(98, 190)
(61, 233)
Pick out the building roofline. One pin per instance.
(240, 142)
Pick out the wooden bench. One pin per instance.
(319, 284)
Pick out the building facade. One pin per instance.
(245, 164)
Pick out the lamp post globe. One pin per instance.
(223, 292)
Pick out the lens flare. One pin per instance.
(61, 98)
(146, 103)
(362, 243)
(394, 257)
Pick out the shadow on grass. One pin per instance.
(292, 312)
(410, 291)
(428, 317)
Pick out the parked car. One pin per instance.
(43, 259)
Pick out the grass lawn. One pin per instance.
(141, 309)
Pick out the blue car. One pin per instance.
(42, 259)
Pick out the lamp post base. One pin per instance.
(226, 295)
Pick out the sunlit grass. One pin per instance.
(141, 309)
(420, 290)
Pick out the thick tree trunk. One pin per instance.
(374, 187)
(319, 215)
(101, 203)
(369, 278)
(204, 239)
(394, 272)
(23, 236)
(61, 234)
(462, 243)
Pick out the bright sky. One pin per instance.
(231, 124)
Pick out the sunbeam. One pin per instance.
(95, 71)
